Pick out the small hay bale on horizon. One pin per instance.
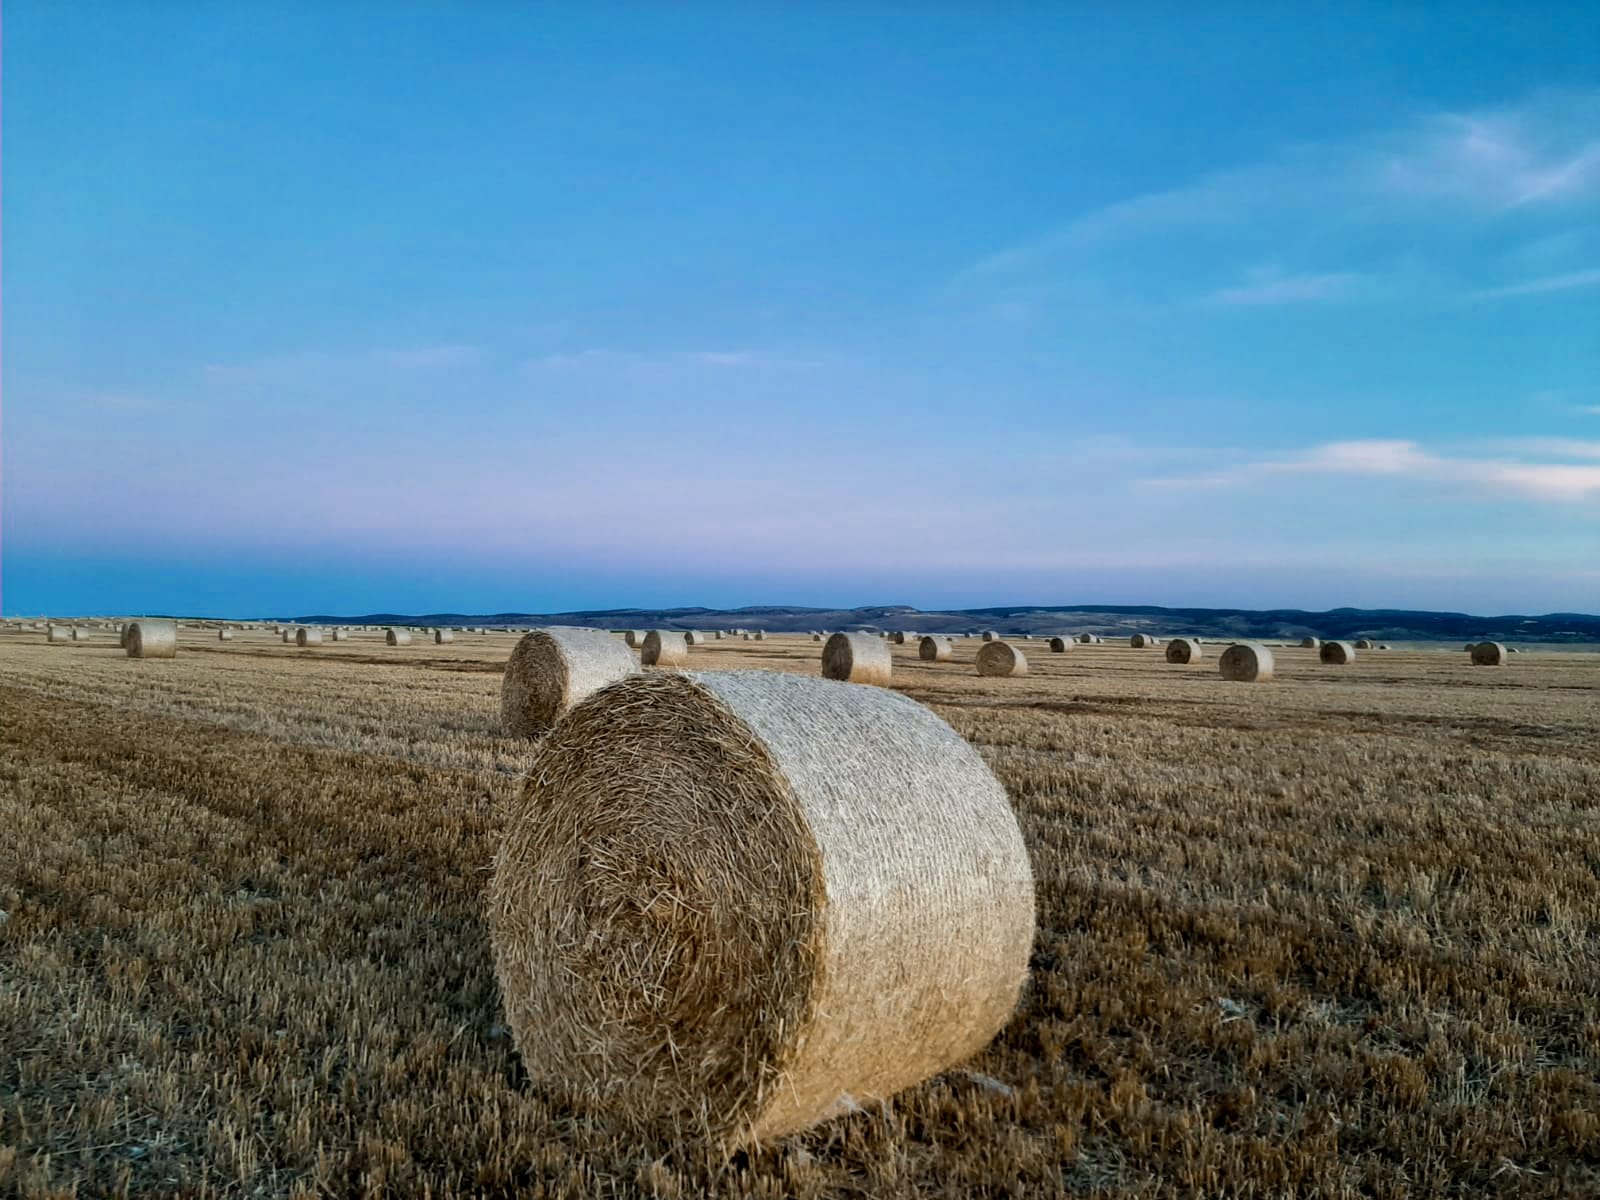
(935, 649)
(998, 659)
(852, 906)
(1364, 644)
(1141, 641)
(1184, 650)
(1060, 645)
(857, 658)
(152, 639)
(990, 635)
(1337, 654)
(551, 670)
(664, 648)
(1310, 643)
(1246, 662)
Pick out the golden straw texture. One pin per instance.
(735, 904)
(935, 649)
(152, 639)
(1001, 658)
(552, 669)
(1246, 662)
(857, 658)
(664, 648)
(1488, 654)
(308, 637)
(1184, 650)
(397, 637)
(1337, 653)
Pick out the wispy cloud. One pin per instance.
(605, 359)
(1553, 482)
(1396, 213)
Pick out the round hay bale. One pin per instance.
(990, 635)
(1512, 650)
(289, 637)
(1364, 644)
(441, 636)
(1488, 654)
(634, 638)
(717, 635)
(760, 635)
(1060, 645)
(816, 637)
(1141, 641)
(1246, 662)
(308, 637)
(857, 658)
(224, 635)
(744, 902)
(1184, 650)
(551, 670)
(396, 637)
(1471, 646)
(341, 635)
(1086, 639)
(152, 639)
(1383, 645)
(745, 636)
(1001, 658)
(1310, 643)
(79, 634)
(935, 649)
(901, 636)
(1337, 654)
(60, 634)
(694, 638)
(664, 648)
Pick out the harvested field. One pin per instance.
(1333, 935)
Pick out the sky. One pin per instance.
(514, 307)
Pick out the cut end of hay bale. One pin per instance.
(847, 863)
(152, 639)
(935, 649)
(1184, 650)
(551, 670)
(857, 658)
(664, 648)
(1000, 659)
(1488, 654)
(1246, 662)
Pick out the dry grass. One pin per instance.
(1336, 935)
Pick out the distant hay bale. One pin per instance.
(1246, 662)
(1488, 654)
(857, 658)
(224, 635)
(1512, 650)
(990, 635)
(1471, 646)
(152, 639)
(1310, 643)
(901, 636)
(1141, 641)
(1001, 658)
(80, 634)
(1364, 644)
(397, 637)
(308, 637)
(746, 637)
(694, 638)
(341, 635)
(1086, 639)
(634, 637)
(1337, 654)
(717, 635)
(441, 636)
(1060, 645)
(1184, 650)
(664, 648)
(760, 635)
(744, 902)
(935, 649)
(288, 637)
(816, 637)
(1383, 645)
(59, 634)
(551, 670)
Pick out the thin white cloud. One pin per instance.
(604, 359)
(1550, 283)
(1289, 289)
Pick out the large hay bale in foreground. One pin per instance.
(935, 649)
(397, 637)
(1001, 658)
(1059, 645)
(664, 648)
(1184, 650)
(1337, 654)
(1488, 654)
(152, 639)
(59, 634)
(1246, 662)
(308, 637)
(857, 658)
(739, 903)
(551, 670)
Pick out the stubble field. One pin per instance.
(1337, 935)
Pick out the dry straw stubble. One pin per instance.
(857, 658)
(664, 648)
(739, 903)
(551, 670)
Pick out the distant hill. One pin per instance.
(1393, 625)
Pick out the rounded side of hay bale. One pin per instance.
(935, 649)
(634, 638)
(718, 635)
(1471, 646)
(1337, 654)
(1085, 639)
(1141, 641)
(152, 639)
(760, 635)
(990, 635)
(664, 648)
(1184, 650)
(1060, 645)
(341, 635)
(224, 635)
(397, 637)
(1310, 643)
(550, 670)
(1488, 654)
(1246, 662)
(1001, 658)
(744, 902)
(80, 634)
(60, 634)
(441, 636)
(694, 638)
(1364, 644)
(857, 658)
(308, 637)
(816, 637)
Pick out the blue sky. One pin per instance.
(502, 306)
